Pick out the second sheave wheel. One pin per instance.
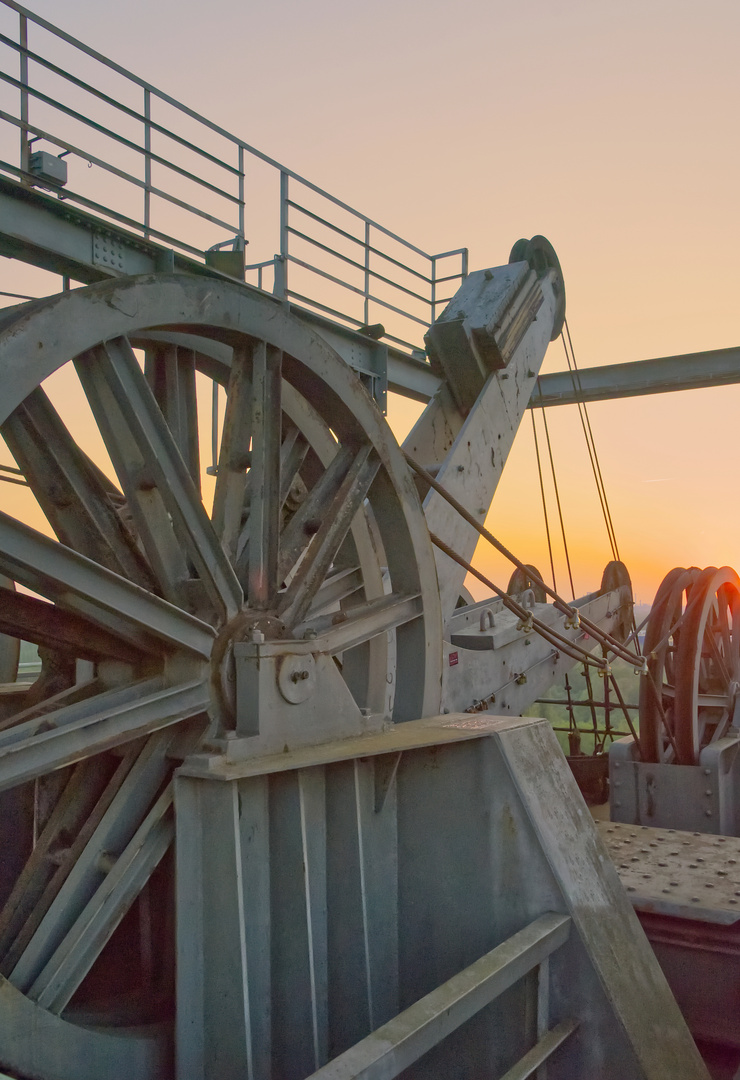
(692, 642)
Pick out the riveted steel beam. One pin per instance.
(664, 375)
(48, 232)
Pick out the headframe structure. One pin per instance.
(271, 809)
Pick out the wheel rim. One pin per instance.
(708, 663)
(153, 593)
(616, 576)
(541, 256)
(658, 688)
(9, 647)
(529, 578)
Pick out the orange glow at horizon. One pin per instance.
(605, 127)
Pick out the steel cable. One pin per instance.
(601, 636)
(564, 644)
(557, 501)
(589, 437)
(544, 501)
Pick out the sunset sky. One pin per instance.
(611, 128)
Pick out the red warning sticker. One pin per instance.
(454, 659)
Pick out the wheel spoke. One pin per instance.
(170, 372)
(67, 967)
(704, 663)
(234, 457)
(70, 489)
(717, 655)
(726, 638)
(333, 526)
(316, 508)
(136, 476)
(107, 720)
(722, 725)
(264, 487)
(363, 623)
(71, 695)
(34, 620)
(292, 455)
(338, 587)
(86, 797)
(78, 585)
(155, 479)
(117, 826)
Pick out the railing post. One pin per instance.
(241, 196)
(23, 41)
(543, 1009)
(213, 470)
(280, 287)
(147, 163)
(434, 289)
(464, 267)
(366, 316)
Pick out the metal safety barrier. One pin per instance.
(402, 1041)
(132, 155)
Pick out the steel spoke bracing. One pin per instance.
(171, 519)
(264, 511)
(234, 457)
(170, 372)
(332, 525)
(70, 489)
(76, 584)
(100, 722)
(119, 823)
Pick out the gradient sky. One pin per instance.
(611, 128)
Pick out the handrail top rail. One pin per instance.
(194, 115)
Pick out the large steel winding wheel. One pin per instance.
(692, 642)
(316, 532)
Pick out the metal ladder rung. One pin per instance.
(541, 1051)
(393, 1047)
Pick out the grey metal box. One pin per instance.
(49, 167)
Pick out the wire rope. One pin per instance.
(596, 631)
(571, 648)
(589, 437)
(544, 501)
(558, 503)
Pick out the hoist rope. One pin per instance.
(589, 436)
(558, 503)
(627, 716)
(564, 644)
(593, 453)
(592, 707)
(16, 476)
(544, 501)
(571, 711)
(601, 636)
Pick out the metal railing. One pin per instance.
(141, 160)
(400, 1043)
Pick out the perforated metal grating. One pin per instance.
(689, 875)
